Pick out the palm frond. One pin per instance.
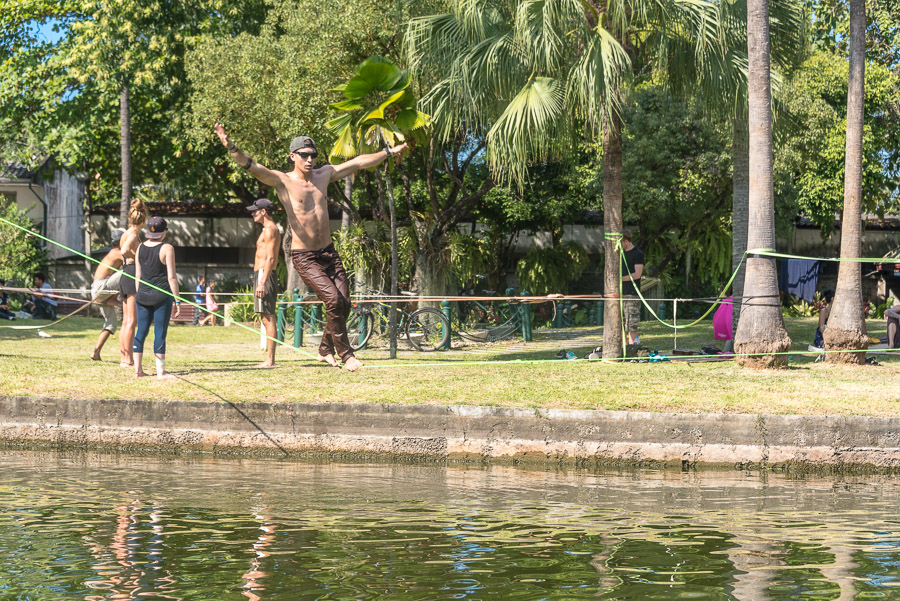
(531, 128)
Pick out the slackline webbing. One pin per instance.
(608, 236)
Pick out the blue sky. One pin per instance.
(46, 33)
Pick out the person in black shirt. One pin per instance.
(632, 269)
(154, 264)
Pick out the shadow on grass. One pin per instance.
(238, 410)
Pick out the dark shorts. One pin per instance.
(126, 284)
(266, 304)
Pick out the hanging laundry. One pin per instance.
(799, 277)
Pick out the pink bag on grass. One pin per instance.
(723, 322)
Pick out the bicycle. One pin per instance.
(426, 329)
(478, 322)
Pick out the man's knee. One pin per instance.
(337, 305)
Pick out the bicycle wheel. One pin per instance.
(360, 325)
(427, 330)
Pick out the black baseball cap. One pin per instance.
(261, 203)
(156, 228)
(302, 142)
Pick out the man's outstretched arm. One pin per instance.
(266, 176)
(364, 161)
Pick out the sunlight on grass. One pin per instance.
(215, 364)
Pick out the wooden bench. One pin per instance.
(65, 307)
(186, 315)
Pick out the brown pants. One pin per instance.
(324, 273)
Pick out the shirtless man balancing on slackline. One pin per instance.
(303, 193)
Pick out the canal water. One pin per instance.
(110, 526)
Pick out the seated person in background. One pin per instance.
(5, 313)
(41, 305)
(824, 312)
(893, 327)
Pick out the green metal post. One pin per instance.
(558, 318)
(445, 309)
(599, 312)
(280, 322)
(567, 314)
(298, 320)
(526, 319)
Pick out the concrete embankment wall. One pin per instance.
(455, 433)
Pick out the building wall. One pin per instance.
(808, 242)
(27, 200)
(64, 196)
(189, 231)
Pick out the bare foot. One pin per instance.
(95, 356)
(352, 364)
(140, 374)
(123, 364)
(264, 365)
(329, 359)
(165, 376)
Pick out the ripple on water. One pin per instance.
(93, 526)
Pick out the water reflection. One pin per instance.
(92, 527)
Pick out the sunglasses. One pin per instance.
(307, 155)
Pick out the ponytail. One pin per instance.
(137, 216)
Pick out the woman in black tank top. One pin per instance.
(157, 287)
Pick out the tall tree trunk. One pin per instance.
(740, 150)
(612, 224)
(846, 328)
(761, 327)
(125, 142)
(394, 290)
(432, 270)
(345, 215)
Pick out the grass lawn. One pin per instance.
(215, 363)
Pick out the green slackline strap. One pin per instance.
(719, 298)
(610, 236)
(144, 283)
(768, 252)
(665, 359)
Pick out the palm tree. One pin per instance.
(125, 138)
(846, 322)
(724, 93)
(378, 112)
(761, 331)
(527, 75)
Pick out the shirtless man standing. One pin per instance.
(265, 283)
(303, 193)
(105, 289)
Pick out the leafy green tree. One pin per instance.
(22, 255)
(678, 180)
(831, 29)
(117, 67)
(270, 86)
(810, 163)
(524, 76)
